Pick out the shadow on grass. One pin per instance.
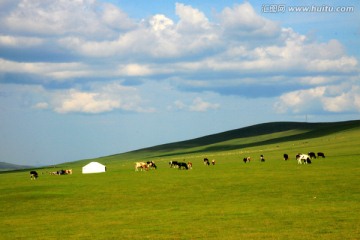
(313, 130)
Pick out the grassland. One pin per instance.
(275, 199)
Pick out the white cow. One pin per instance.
(303, 158)
(141, 166)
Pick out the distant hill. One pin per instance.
(9, 166)
(214, 142)
(242, 138)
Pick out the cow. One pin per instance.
(68, 171)
(151, 165)
(321, 154)
(182, 165)
(247, 159)
(312, 155)
(173, 164)
(141, 165)
(33, 175)
(213, 162)
(189, 165)
(303, 158)
(206, 162)
(286, 157)
(262, 159)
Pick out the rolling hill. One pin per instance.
(247, 137)
(9, 166)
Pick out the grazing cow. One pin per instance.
(312, 155)
(142, 166)
(173, 164)
(213, 162)
(33, 175)
(262, 159)
(151, 165)
(182, 165)
(286, 157)
(189, 165)
(60, 172)
(247, 159)
(68, 171)
(303, 158)
(321, 154)
(206, 161)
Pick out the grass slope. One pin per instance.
(9, 166)
(276, 199)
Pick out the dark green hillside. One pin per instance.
(252, 136)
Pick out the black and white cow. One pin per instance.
(206, 162)
(286, 156)
(151, 165)
(303, 158)
(33, 175)
(173, 164)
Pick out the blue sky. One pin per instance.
(89, 78)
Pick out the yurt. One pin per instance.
(94, 167)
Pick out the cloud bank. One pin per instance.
(91, 57)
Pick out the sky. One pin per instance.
(82, 79)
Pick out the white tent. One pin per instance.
(94, 167)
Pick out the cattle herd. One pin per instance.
(306, 158)
(146, 166)
(34, 175)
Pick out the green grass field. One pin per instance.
(275, 199)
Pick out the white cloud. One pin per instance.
(243, 21)
(62, 17)
(41, 105)
(115, 18)
(134, 70)
(13, 41)
(197, 105)
(46, 69)
(347, 101)
(335, 99)
(191, 19)
(160, 22)
(104, 98)
(239, 47)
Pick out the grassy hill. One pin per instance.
(9, 166)
(261, 135)
(275, 199)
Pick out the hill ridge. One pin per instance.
(4, 166)
(312, 128)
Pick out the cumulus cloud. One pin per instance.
(61, 17)
(242, 21)
(335, 99)
(235, 52)
(102, 99)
